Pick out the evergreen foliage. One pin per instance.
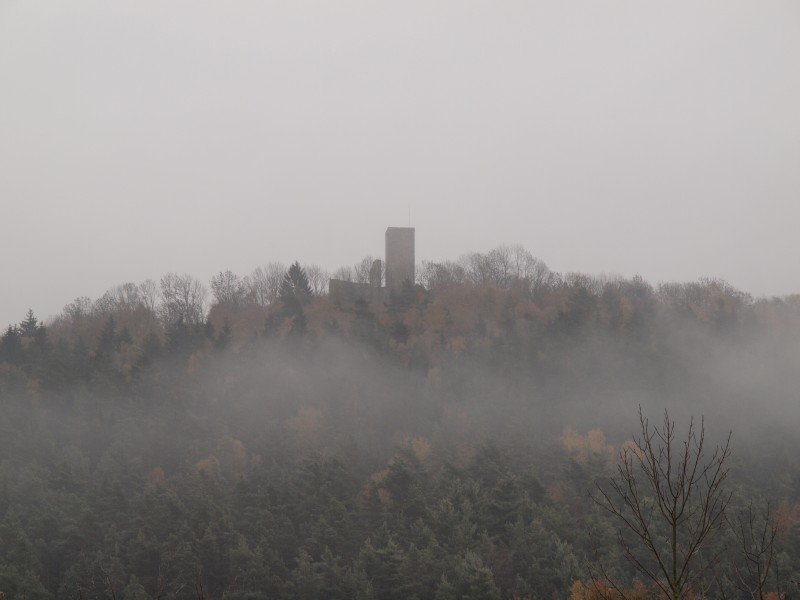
(436, 444)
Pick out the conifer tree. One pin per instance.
(29, 325)
(11, 346)
(294, 293)
(295, 285)
(471, 580)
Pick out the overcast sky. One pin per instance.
(139, 137)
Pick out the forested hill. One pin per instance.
(436, 443)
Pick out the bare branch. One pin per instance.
(668, 497)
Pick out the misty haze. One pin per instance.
(373, 301)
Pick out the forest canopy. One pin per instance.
(260, 438)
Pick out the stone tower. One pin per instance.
(399, 255)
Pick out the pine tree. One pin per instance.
(305, 582)
(295, 285)
(134, 590)
(470, 581)
(337, 582)
(19, 566)
(385, 568)
(29, 326)
(294, 293)
(11, 346)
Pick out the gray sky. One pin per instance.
(139, 137)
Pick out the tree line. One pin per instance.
(441, 442)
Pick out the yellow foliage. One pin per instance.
(421, 448)
(457, 344)
(596, 441)
(630, 446)
(578, 591)
(571, 439)
(597, 589)
(582, 447)
(209, 465)
(379, 476)
(306, 423)
(640, 592)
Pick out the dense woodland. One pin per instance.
(268, 441)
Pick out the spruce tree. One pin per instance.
(29, 325)
(11, 346)
(294, 293)
(295, 285)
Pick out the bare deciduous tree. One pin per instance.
(343, 274)
(150, 294)
(504, 266)
(358, 273)
(362, 269)
(264, 283)
(478, 268)
(436, 274)
(182, 298)
(228, 288)
(527, 267)
(317, 279)
(755, 534)
(668, 496)
(80, 307)
(124, 295)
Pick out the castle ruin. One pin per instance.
(400, 267)
(399, 256)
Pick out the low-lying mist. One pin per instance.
(451, 421)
